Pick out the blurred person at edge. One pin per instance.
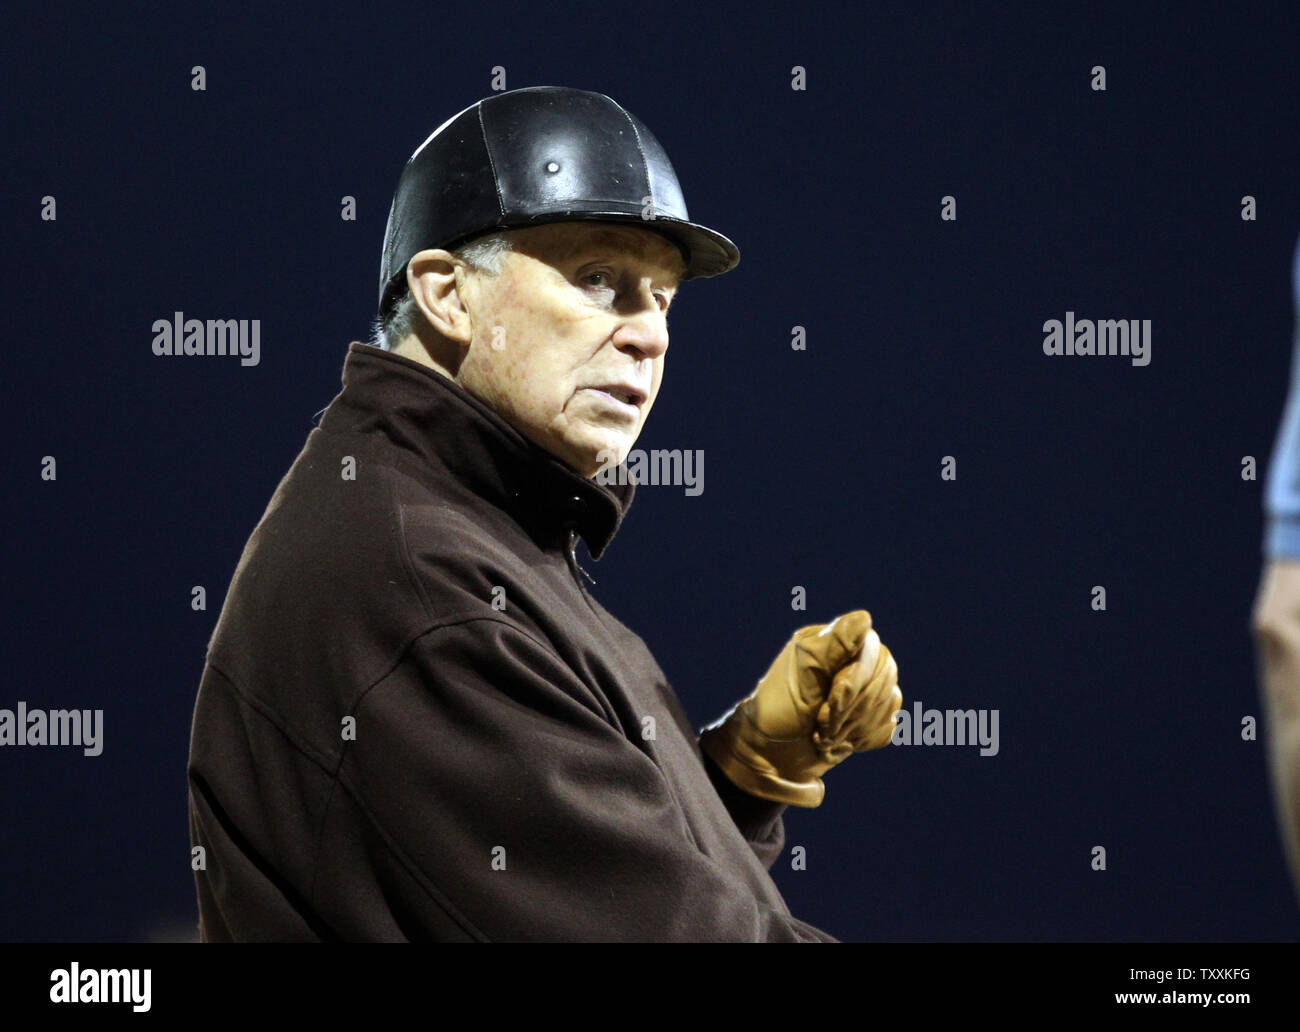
(1275, 619)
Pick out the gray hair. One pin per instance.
(483, 254)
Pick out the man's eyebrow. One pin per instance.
(607, 243)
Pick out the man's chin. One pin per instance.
(584, 463)
(605, 456)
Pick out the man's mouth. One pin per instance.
(621, 392)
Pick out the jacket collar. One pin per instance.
(447, 430)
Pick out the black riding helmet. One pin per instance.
(536, 155)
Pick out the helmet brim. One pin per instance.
(706, 251)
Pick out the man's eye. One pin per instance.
(594, 275)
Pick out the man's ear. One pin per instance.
(436, 282)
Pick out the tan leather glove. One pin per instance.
(832, 691)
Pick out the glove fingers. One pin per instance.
(874, 734)
(831, 715)
(823, 650)
(875, 708)
(868, 716)
(845, 696)
(885, 695)
(876, 739)
(860, 690)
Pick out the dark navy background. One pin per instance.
(1119, 728)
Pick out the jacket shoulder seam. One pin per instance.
(325, 761)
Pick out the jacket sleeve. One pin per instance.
(507, 804)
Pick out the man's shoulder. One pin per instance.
(355, 526)
(464, 554)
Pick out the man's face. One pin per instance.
(577, 313)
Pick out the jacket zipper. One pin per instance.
(576, 568)
(572, 552)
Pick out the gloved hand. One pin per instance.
(832, 691)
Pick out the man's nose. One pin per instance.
(643, 325)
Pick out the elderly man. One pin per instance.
(415, 721)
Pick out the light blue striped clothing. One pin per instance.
(1282, 491)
